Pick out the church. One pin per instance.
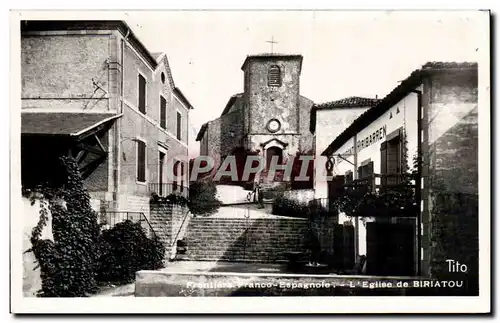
(269, 117)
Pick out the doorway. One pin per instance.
(271, 152)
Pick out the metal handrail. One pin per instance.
(165, 189)
(180, 228)
(144, 218)
(126, 215)
(371, 181)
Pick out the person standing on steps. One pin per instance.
(260, 198)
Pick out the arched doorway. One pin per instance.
(271, 152)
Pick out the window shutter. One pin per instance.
(142, 94)
(182, 176)
(335, 187)
(383, 163)
(163, 112)
(348, 177)
(274, 76)
(369, 169)
(179, 125)
(141, 161)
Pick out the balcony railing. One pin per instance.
(380, 183)
(165, 189)
(323, 207)
(112, 218)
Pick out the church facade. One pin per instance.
(269, 117)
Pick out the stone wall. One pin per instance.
(65, 83)
(306, 137)
(323, 228)
(453, 192)
(265, 102)
(166, 220)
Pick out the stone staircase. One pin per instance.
(250, 240)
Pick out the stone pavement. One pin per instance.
(117, 291)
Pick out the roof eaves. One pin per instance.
(201, 133)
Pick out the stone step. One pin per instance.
(232, 239)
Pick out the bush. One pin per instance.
(318, 209)
(288, 207)
(126, 249)
(203, 197)
(172, 198)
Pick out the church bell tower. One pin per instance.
(271, 98)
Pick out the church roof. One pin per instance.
(202, 131)
(271, 55)
(230, 103)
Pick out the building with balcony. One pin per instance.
(431, 118)
(327, 121)
(92, 90)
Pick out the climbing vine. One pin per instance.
(68, 263)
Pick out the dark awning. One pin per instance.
(76, 125)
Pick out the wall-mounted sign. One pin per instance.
(367, 141)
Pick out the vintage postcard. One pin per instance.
(292, 161)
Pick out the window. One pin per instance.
(274, 76)
(348, 177)
(391, 161)
(176, 173)
(179, 125)
(366, 169)
(163, 112)
(141, 161)
(142, 94)
(161, 158)
(182, 177)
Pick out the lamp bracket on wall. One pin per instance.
(340, 156)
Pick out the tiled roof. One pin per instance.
(273, 55)
(352, 101)
(230, 103)
(449, 65)
(406, 86)
(156, 55)
(62, 123)
(202, 131)
(349, 102)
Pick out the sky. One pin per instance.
(346, 53)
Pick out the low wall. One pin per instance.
(166, 220)
(150, 283)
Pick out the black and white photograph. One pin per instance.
(260, 161)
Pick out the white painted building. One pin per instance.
(434, 111)
(328, 120)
